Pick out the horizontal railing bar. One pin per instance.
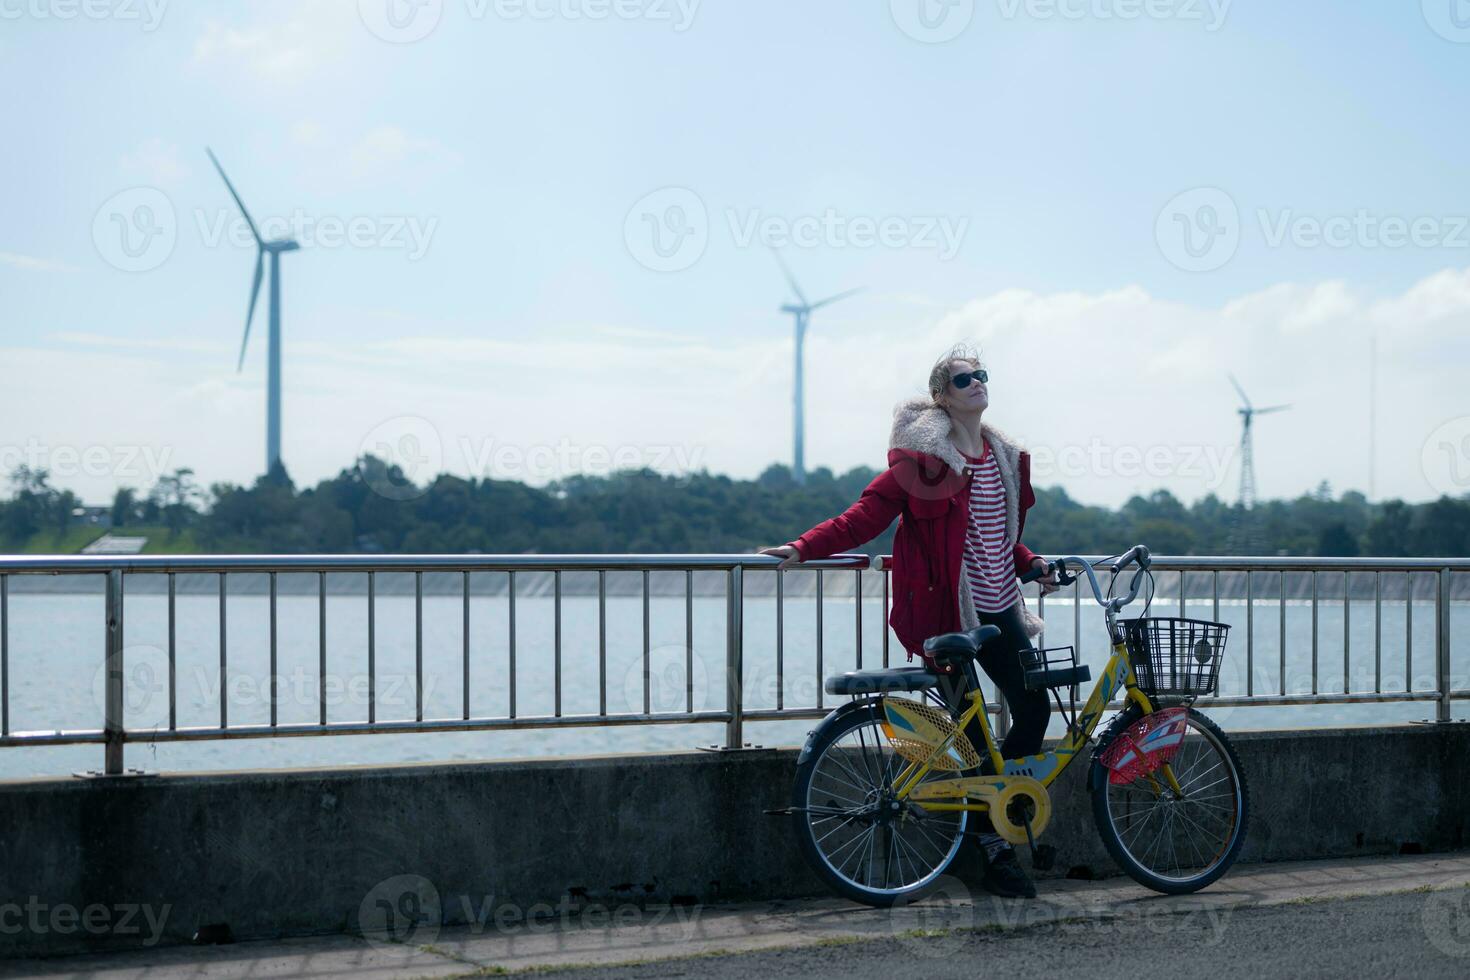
(94, 736)
(409, 726)
(1206, 563)
(62, 737)
(89, 564)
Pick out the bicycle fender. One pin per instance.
(1145, 745)
(841, 711)
(1097, 774)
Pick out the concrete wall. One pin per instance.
(296, 852)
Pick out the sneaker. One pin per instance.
(1005, 877)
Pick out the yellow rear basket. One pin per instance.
(917, 730)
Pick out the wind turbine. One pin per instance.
(273, 248)
(1247, 466)
(802, 311)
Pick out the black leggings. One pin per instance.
(1000, 657)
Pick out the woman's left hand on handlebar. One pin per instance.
(1048, 582)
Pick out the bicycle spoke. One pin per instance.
(1139, 827)
(1206, 833)
(861, 791)
(914, 859)
(849, 842)
(1182, 777)
(859, 782)
(1186, 785)
(833, 831)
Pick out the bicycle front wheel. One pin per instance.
(865, 844)
(1171, 843)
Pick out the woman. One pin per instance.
(962, 488)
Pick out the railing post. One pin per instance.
(734, 657)
(1442, 645)
(112, 723)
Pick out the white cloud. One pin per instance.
(389, 148)
(1090, 382)
(29, 263)
(277, 50)
(308, 132)
(182, 344)
(156, 162)
(374, 155)
(1434, 304)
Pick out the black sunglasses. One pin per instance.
(963, 380)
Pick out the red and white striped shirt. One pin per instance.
(988, 563)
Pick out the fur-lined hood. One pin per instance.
(920, 426)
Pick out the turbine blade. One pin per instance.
(790, 278)
(832, 299)
(1239, 389)
(250, 314)
(1273, 408)
(241, 204)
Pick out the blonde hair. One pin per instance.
(940, 375)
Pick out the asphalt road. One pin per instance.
(1415, 935)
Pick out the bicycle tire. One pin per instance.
(822, 739)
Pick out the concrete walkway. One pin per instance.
(630, 934)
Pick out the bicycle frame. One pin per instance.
(1047, 766)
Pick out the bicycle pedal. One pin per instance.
(1043, 856)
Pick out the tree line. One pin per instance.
(372, 507)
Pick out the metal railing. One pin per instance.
(1241, 576)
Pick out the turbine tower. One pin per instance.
(1247, 466)
(274, 249)
(802, 311)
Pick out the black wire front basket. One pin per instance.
(1175, 656)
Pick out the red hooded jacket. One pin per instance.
(931, 496)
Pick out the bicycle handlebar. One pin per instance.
(1138, 554)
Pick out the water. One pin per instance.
(56, 671)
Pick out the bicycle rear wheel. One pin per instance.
(1175, 845)
(866, 845)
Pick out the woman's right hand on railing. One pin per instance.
(787, 553)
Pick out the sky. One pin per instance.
(538, 236)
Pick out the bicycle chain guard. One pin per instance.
(1146, 745)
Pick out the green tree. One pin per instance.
(175, 495)
(123, 503)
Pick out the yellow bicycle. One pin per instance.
(886, 783)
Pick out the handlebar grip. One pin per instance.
(1136, 553)
(1036, 573)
